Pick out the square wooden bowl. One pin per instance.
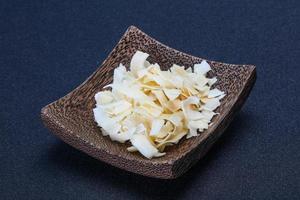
(71, 117)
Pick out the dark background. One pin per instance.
(47, 48)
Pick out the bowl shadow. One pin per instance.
(98, 173)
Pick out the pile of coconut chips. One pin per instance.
(152, 108)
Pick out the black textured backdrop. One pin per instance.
(47, 48)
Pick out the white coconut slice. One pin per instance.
(201, 80)
(102, 119)
(211, 104)
(214, 93)
(104, 97)
(208, 115)
(202, 68)
(144, 146)
(119, 74)
(198, 124)
(221, 96)
(156, 126)
(188, 112)
(189, 70)
(138, 62)
(171, 93)
(192, 132)
(212, 81)
(116, 135)
(132, 149)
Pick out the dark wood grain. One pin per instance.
(71, 118)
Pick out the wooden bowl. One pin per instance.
(71, 117)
